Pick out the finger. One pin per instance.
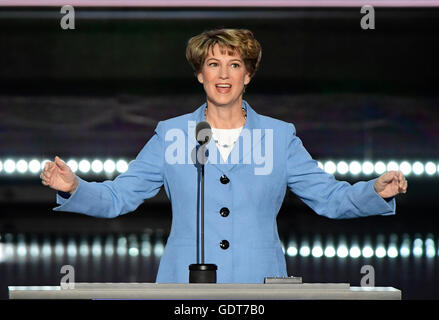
(400, 179)
(61, 164)
(46, 175)
(388, 176)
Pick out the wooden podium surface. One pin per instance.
(207, 291)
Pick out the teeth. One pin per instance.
(224, 85)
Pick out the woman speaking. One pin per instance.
(252, 161)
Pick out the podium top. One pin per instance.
(207, 291)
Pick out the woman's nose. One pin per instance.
(224, 73)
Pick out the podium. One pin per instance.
(206, 291)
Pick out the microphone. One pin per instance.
(203, 132)
(202, 272)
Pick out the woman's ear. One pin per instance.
(247, 78)
(200, 77)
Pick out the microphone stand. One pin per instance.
(202, 272)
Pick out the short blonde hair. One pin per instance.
(234, 40)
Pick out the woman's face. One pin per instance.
(223, 77)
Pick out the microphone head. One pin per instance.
(203, 132)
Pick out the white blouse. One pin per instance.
(225, 140)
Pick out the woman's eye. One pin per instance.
(213, 64)
(235, 65)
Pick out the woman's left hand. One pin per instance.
(390, 184)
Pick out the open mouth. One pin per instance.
(223, 88)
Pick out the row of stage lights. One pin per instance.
(18, 248)
(110, 167)
(417, 248)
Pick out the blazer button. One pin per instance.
(224, 212)
(224, 244)
(224, 179)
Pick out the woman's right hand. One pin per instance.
(59, 176)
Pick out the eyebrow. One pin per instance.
(239, 60)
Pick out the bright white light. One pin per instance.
(71, 249)
(380, 167)
(355, 167)
(355, 252)
(21, 166)
(329, 252)
(317, 251)
(133, 252)
(34, 250)
(392, 252)
(292, 251)
(342, 167)
(158, 249)
(417, 247)
(121, 166)
(73, 164)
(109, 250)
(392, 166)
(46, 250)
(9, 166)
(418, 168)
(96, 249)
(417, 251)
(380, 252)
(83, 249)
(417, 242)
(34, 166)
(320, 165)
(367, 252)
(430, 252)
(59, 249)
(84, 166)
(405, 167)
(430, 168)
(121, 250)
(304, 251)
(330, 167)
(1, 166)
(146, 249)
(97, 166)
(367, 168)
(342, 251)
(109, 166)
(21, 250)
(404, 251)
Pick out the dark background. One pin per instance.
(99, 90)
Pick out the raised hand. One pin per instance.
(58, 175)
(390, 184)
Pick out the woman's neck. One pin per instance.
(225, 117)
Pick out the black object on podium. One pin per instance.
(202, 272)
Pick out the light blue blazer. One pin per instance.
(251, 189)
